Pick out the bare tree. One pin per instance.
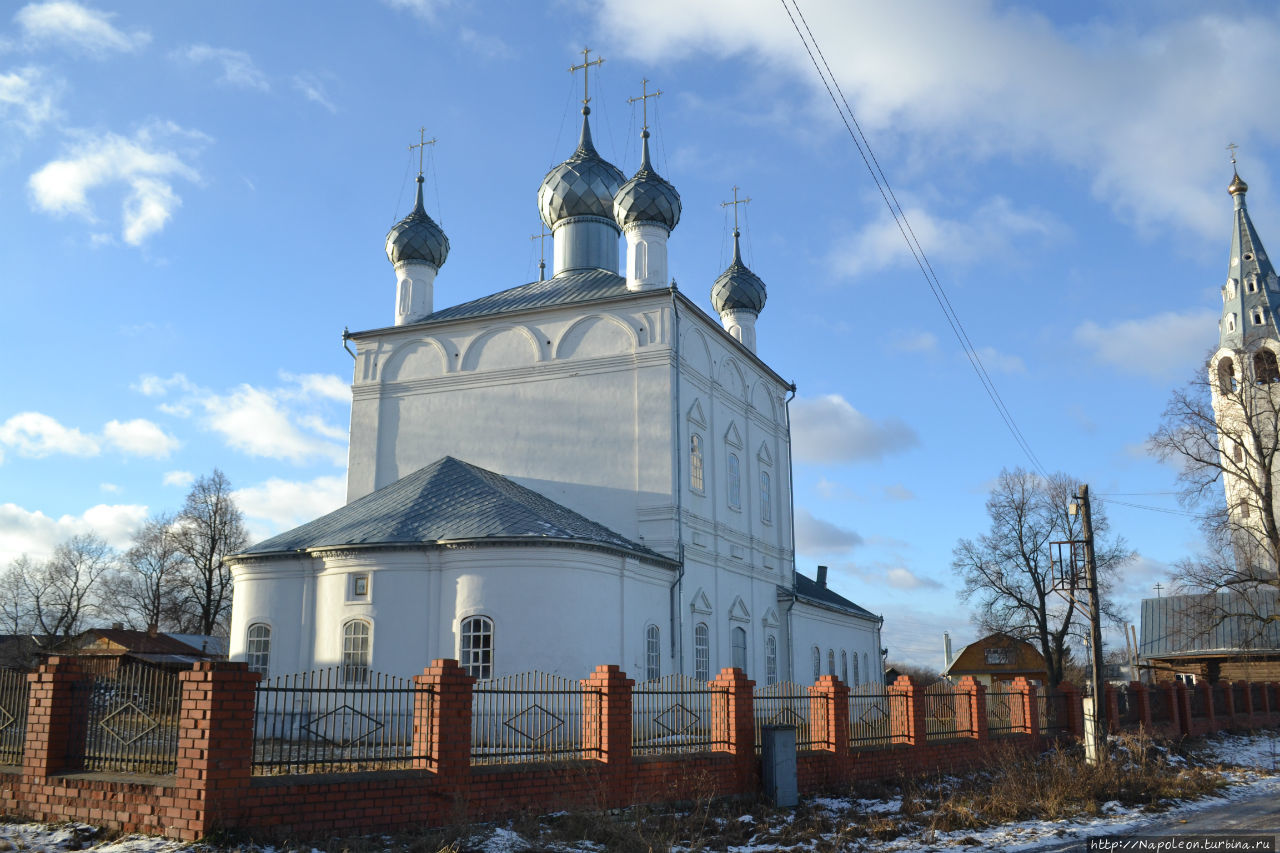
(145, 591)
(209, 528)
(62, 593)
(1007, 572)
(15, 608)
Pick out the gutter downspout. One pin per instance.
(346, 336)
(791, 490)
(676, 595)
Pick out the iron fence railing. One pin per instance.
(941, 718)
(1127, 706)
(129, 719)
(1054, 719)
(674, 714)
(1004, 712)
(871, 712)
(530, 717)
(1195, 697)
(783, 704)
(1255, 692)
(1158, 702)
(315, 722)
(1238, 696)
(13, 715)
(1218, 692)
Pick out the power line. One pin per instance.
(904, 227)
(1166, 510)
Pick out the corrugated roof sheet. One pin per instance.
(1220, 623)
(570, 287)
(449, 500)
(808, 590)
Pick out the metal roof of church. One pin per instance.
(563, 289)
(449, 500)
(808, 589)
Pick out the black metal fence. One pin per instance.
(1054, 716)
(315, 722)
(1158, 702)
(533, 716)
(129, 718)
(1218, 693)
(871, 711)
(674, 714)
(1196, 698)
(942, 717)
(13, 715)
(783, 704)
(1005, 711)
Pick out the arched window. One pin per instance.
(867, 668)
(1244, 508)
(1237, 451)
(856, 679)
(844, 666)
(257, 648)
(1265, 369)
(695, 462)
(738, 636)
(817, 663)
(475, 647)
(701, 652)
(735, 481)
(355, 652)
(766, 497)
(770, 660)
(642, 260)
(1226, 375)
(652, 653)
(831, 662)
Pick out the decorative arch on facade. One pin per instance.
(770, 619)
(695, 414)
(732, 437)
(421, 358)
(762, 401)
(731, 380)
(738, 610)
(699, 603)
(502, 347)
(695, 350)
(596, 336)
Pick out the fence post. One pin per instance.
(1071, 702)
(1184, 707)
(1140, 697)
(215, 747)
(1228, 689)
(1266, 702)
(450, 741)
(1206, 693)
(973, 698)
(829, 715)
(1113, 708)
(906, 716)
(1248, 703)
(1172, 703)
(1030, 710)
(733, 729)
(55, 726)
(606, 718)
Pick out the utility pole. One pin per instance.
(1095, 735)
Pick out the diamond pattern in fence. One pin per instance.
(672, 714)
(532, 716)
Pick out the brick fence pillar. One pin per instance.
(1267, 707)
(829, 715)
(215, 747)
(1172, 703)
(1228, 701)
(56, 717)
(606, 718)
(1141, 699)
(733, 728)
(1206, 694)
(906, 711)
(1074, 708)
(1185, 724)
(1112, 699)
(1247, 710)
(971, 709)
(1030, 711)
(449, 744)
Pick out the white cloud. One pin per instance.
(999, 362)
(320, 385)
(140, 437)
(898, 492)
(900, 577)
(485, 44)
(37, 435)
(832, 491)
(991, 229)
(256, 422)
(818, 537)
(987, 79)
(238, 68)
(70, 24)
(110, 488)
(145, 164)
(35, 534)
(278, 505)
(27, 99)
(182, 479)
(922, 342)
(1161, 347)
(155, 386)
(828, 429)
(424, 9)
(312, 88)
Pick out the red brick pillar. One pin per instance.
(1267, 707)
(1247, 710)
(1228, 701)
(606, 718)
(1030, 710)
(1072, 704)
(1185, 724)
(449, 745)
(971, 708)
(215, 747)
(57, 713)
(1141, 701)
(906, 711)
(1113, 708)
(829, 715)
(1172, 703)
(1206, 693)
(733, 727)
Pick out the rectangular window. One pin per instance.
(996, 657)
(766, 498)
(359, 586)
(735, 481)
(652, 653)
(355, 652)
(695, 462)
(701, 652)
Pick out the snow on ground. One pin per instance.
(1251, 765)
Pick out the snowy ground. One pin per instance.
(1251, 765)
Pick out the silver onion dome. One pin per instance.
(583, 185)
(738, 288)
(647, 197)
(417, 237)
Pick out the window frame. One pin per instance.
(357, 651)
(844, 666)
(701, 652)
(251, 656)
(817, 663)
(736, 633)
(652, 652)
(733, 476)
(766, 497)
(697, 467)
(476, 661)
(770, 659)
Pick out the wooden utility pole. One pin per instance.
(1095, 739)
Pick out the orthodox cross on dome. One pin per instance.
(542, 252)
(644, 101)
(423, 142)
(586, 68)
(1159, 587)
(1232, 148)
(736, 201)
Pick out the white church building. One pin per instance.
(580, 470)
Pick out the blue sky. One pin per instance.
(193, 200)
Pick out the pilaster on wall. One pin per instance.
(971, 708)
(54, 722)
(215, 746)
(829, 716)
(906, 715)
